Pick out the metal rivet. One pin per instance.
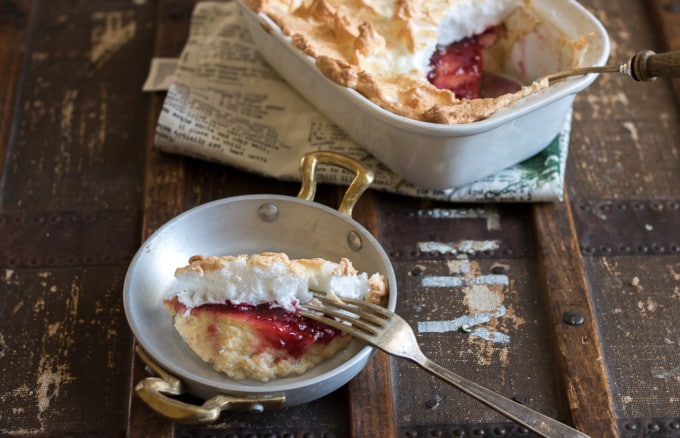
(498, 270)
(354, 240)
(465, 329)
(256, 408)
(268, 212)
(433, 402)
(624, 248)
(674, 425)
(573, 318)
(672, 7)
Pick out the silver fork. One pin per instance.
(391, 333)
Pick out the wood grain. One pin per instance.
(13, 33)
(666, 17)
(578, 347)
(164, 198)
(371, 399)
(76, 140)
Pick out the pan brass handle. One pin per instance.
(152, 391)
(362, 179)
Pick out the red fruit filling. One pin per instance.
(278, 327)
(459, 67)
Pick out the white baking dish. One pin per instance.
(437, 156)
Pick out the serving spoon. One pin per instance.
(644, 65)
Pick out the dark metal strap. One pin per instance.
(68, 238)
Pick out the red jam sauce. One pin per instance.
(459, 67)
(279, 328)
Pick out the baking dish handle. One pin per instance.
(152, 391)
(362, 179)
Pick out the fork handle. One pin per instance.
(539, 423)
(647, 65)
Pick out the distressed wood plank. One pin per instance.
(578, 348)
(371, 398)
(81, 117)
(624, 133)
(666, 18)
(62, 341)
(163, 197)
(623, 180)
(13, 33)
(637, 311)
(447, 257)
(72, 148)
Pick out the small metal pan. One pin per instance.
(244, 225)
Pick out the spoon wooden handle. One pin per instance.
(647, 65)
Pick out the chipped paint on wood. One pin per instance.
(54, 366)
(488, 320)
(113, 30)
(469, 247)
(491, 214)
(452, 281)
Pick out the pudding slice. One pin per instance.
(240, 313)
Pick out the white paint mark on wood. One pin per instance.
(453, 325)
(490, 214)
(462, 246)
(54, 365)
(661, 373)
(450, 281)
(483, 297)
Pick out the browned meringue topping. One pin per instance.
(382, 48)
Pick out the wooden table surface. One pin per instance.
(82, 187)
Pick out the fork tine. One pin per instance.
(343, 316)
(356, 307)
(334, 323)
(394, 336)
(375, 309)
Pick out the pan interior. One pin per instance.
(233, 226)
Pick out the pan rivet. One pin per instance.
(268, 212)
(256, 408)
(354, 240)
